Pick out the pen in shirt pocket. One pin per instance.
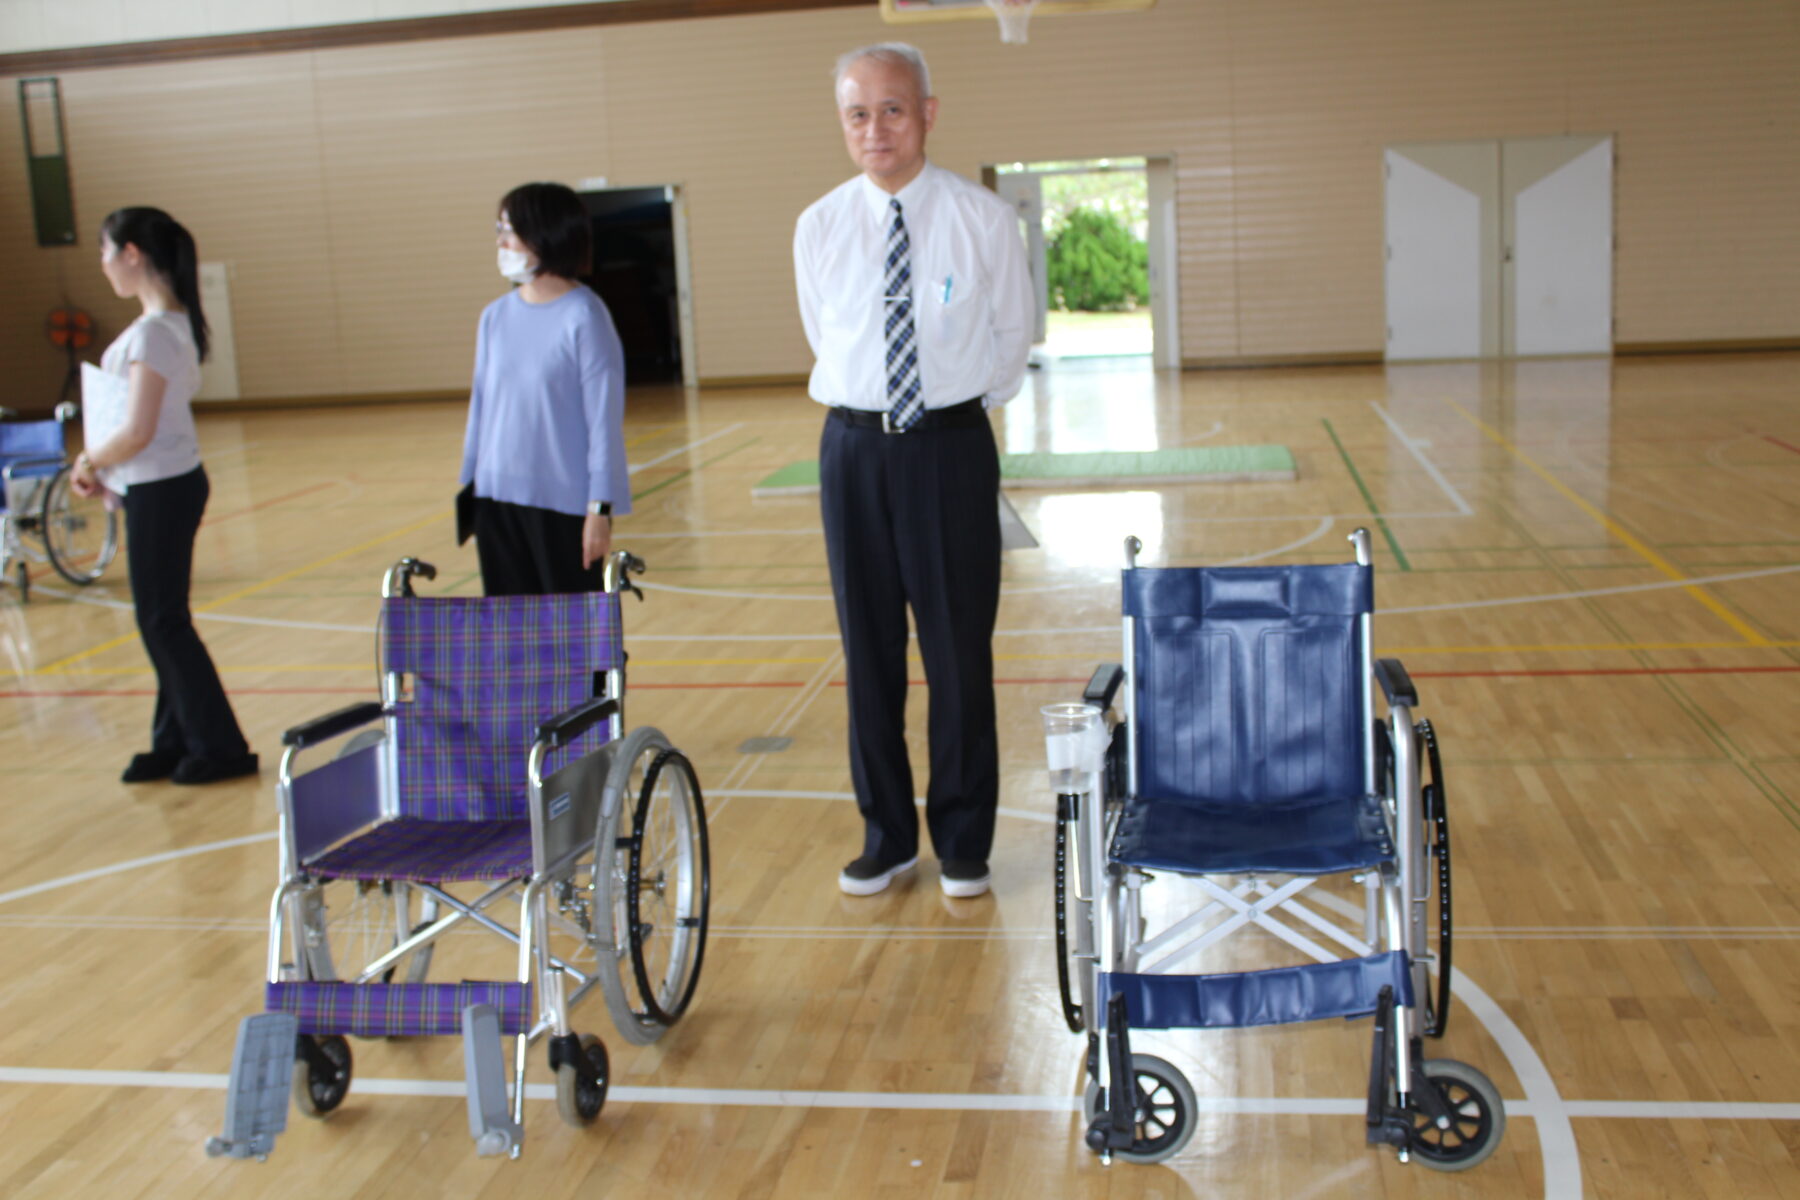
(949, 282)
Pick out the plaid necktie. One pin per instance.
(906, 400)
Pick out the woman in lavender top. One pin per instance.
(545, 448)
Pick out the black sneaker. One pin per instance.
(192, 770)
(869, 875)
(963, 878)
(148, 766)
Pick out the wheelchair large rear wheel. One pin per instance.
(81, 534)
(1164, 1110)
(657, 880)
(346, 924)
(1074, 931)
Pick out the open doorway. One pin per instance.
(639, 266)
(1100, 241)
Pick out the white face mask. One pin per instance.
(517, 265)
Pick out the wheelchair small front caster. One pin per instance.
(1476, 1122)
(1163, 1111)
(322, 1069)
(581, 1094)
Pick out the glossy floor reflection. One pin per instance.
(1590, 567)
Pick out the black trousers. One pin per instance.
(193, 718)
(527, 551)
(913, 520)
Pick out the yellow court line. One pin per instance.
(655, 431)
(1750, 636)
(1580, 647)
(60, 663)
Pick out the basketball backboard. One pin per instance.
(906, 12)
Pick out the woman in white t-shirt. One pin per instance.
(153, 461)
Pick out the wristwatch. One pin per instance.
(599, 508)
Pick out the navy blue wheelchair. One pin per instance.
(1250, 764)
(41, 517)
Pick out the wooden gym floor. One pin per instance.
(1590, 568)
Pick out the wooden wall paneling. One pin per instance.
(350, 187)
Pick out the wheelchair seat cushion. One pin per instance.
(1322, 838)
(431, 852)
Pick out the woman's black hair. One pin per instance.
(170, 248)
(552, 220)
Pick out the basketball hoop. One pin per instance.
(1014, 16)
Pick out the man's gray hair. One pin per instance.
(897, 54)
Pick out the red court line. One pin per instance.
(1769, 437)
(1606, 671)
(1490, 674)
(266, 503)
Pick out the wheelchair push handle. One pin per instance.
(399, 577)
(67, 411)
(620, 566)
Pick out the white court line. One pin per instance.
(662, 458)
(1021, 814)
(1556, 1136)
(789, 717)
(1329, 1106)
(130, 864)
(1682, 933)
(1412, 447)
(100, 602)
(1586, 593)
(1454, 606)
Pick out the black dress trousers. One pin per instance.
(912, 519)
(193, 717)
(526, 551)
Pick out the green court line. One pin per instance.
(1186, 464)
(1392, 541)
(680, 475)
(1786, 806)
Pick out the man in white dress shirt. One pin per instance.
(917, 304)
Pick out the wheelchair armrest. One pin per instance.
(320, 729)
(21, 464)
(570, 724)
(1103, 685)
(1395, 683)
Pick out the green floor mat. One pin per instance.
(1112, 468)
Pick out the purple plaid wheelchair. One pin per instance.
(1248, 765)
(41, 517)
(501, 765)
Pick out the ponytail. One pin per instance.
(171, 251)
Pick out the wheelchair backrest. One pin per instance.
(1248, 682)
(29, 440)
(481, 675)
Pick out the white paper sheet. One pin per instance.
(104, 400)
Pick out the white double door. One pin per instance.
(1499, 248)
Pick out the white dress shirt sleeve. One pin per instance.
(806, 282)
(1015, 311)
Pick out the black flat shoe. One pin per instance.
(150, 765)
(191, 770)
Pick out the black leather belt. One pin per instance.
(954, 416)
